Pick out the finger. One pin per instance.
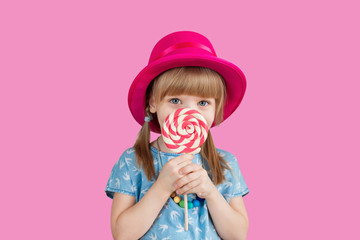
(190, 187)
(182, 158)
(189, 168)
(186, 179)
(183, 164)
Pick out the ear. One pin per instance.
(152, 104)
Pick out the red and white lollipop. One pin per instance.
(184, 131)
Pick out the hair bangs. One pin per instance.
(190, 80)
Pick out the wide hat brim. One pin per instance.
(234, 79)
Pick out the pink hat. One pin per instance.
(185, 48)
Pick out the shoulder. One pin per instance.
(231, 161)
(129, 151)
(226, 155)
(128, 156)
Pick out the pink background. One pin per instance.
(65, 70)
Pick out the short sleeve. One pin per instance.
(120, 179)
(238, 184)
(235, 181)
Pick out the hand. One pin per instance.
(169, 174)
(194, 179)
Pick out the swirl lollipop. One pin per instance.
(184, 131)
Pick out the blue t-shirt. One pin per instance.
(127, 178)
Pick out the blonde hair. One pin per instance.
(189, 80)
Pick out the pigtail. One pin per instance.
(143, 150)
(216, 162)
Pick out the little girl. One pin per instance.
(148, 181)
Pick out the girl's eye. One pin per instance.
(175, 100)
(203, 103)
